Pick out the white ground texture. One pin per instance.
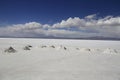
(82, 59)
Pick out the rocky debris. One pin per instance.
(10, 50)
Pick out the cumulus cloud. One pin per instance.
(90, 26)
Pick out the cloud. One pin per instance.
(90, 26)
(91, 16)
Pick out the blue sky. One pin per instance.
(51, 12)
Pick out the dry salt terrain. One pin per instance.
(59, 59)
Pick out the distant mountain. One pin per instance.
(52, 37)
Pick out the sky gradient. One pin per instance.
(60, 18)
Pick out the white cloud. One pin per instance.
(91, 16)
(90, 26)
(70, 22)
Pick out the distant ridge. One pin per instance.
(51, 37)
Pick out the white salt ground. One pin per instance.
(95, 60)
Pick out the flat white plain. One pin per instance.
(81, 60)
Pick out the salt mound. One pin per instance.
(65, 48)
(10, 50)
(85, 49)
(26, 48)
(110, 51)
(29, 46)
(61, 47)
(52, 46)
(77, 48)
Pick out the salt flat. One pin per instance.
(81, 60)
